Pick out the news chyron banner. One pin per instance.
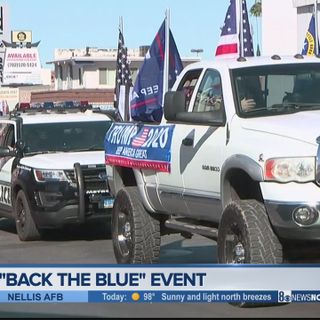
(22, 65)
(260, 284)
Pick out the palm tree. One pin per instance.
(256, 11)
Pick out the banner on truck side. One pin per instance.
(140, 146)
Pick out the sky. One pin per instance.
(71, 24)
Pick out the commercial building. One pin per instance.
(89, 74)
(284, 25)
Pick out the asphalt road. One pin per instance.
(89, 245)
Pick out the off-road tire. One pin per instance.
(135, 232)
(248, 220)
(248, 223)
(26, 228)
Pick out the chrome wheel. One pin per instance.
(124, 234)
(235, 249)
(135, 232)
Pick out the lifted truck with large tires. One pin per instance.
(243, 159)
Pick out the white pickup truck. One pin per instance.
(242, 162)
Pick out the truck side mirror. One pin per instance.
(6, 152)
(174, 102)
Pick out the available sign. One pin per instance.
(22, 65)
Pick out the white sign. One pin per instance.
(9, 96)
(22, 65)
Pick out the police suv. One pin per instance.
(52, 170)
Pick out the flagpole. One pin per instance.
(240, 13)
(126, 112)
(316, 27)
(121, 24)
(126, 95)
(126, 86)
(166, 55)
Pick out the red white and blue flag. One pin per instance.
(232, 42)
(140, 139)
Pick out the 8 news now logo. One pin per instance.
(285, 296)
(288, 296)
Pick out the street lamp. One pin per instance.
(197, 51)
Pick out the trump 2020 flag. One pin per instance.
(235, 39)
(310, 40)
(147, 96)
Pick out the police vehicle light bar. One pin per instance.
(50, 105)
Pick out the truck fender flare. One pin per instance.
(241, 162)
(118, 183)
(142, 190)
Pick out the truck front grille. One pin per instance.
(94, 178)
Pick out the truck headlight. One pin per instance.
(49, 175)
(290, 169)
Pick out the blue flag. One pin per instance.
(147, 96)
(310, 40)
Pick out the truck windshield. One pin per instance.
(66, 137)
(276, 89)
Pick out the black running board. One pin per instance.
(186, 226)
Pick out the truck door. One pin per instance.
(199, 149)
(170, 185)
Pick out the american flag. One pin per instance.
(141, 139)
(123, 74)
(230, 40)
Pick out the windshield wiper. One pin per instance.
(90, 148)
(295, 106)
(32, 153)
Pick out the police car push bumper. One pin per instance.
(56, 203)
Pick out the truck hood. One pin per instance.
(302, 126)
(63, 160)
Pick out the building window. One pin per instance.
(107, 77)
(60, 72)
(134, 73)
(111, 77)
(80, 76)
(70, 76)
(103, 76)
(60, 75)
(70, 72)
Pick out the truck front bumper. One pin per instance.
(69, 214)
(55, 209)
(283, 218)
(288, 206)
